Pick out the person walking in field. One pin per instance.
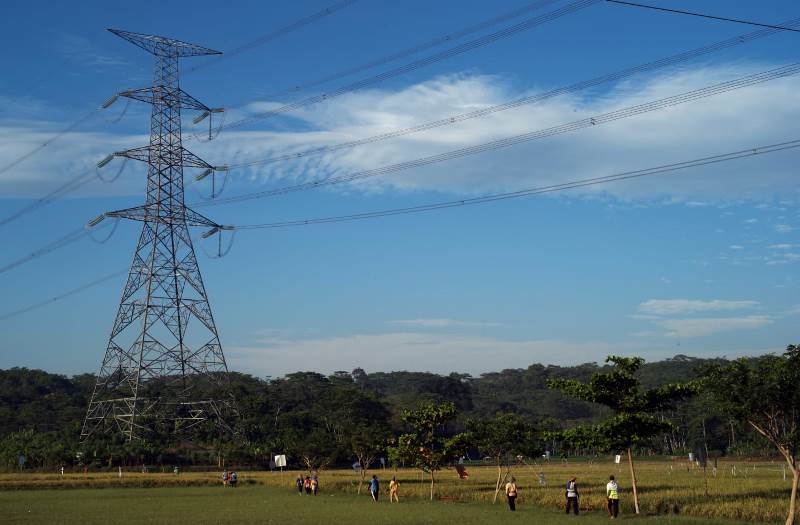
(511, 493)
(307, 485)
(374, 488)
(394, 486)
(572, 495)
(314, 485)
(612, 493)
(233, 479)
(225, 478)
(299, 484)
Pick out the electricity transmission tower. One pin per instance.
(163, 369)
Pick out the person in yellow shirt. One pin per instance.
(511, 494)
(393, 487)
(612, 493)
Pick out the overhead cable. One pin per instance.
(84, 178)
(702, 15)
(532, 99)
(647, 172)
(424, 46)
(67, 239)
(260, 41)
(69, 186)
(447, 53)
(604, 118)
(269, 37)
(63, 295)
(667, 168)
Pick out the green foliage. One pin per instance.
(348, 413)
(764, 392)
(503, 436)
(427, 446)
(633, 421)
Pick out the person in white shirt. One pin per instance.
(572, 495)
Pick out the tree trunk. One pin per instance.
(793, 497)
(497, 485)
(431, 484)
(633, 481)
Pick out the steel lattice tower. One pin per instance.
(163, 368)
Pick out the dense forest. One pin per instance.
(322, 419)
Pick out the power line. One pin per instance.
(619, 75)
(255, 43)
(647, 172)
(667, 168)
(49, 141)
(447, 53)
(449, 37)
(701, 15)
(68, 187)
(294, 26)
(82, 179)
(631, 111)
(67, 239)
(63, 295)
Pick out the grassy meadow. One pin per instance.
(670, 492)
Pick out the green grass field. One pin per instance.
(670, 492)
(268, 505)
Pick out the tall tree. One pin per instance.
(367, 443)
(633, 421)
(427, 446)
(500, 438)
(764, 393)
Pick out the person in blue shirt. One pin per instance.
(374, 488)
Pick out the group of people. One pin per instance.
(571, 495)
(229, 479)
(309, 484)
(375, 489)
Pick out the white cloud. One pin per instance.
(782, 246)
(709, 326)
(656, 307)
(784, 228)
(440, 323)
(645, 333)
(736, 120)
(751, 221)
(80, 50)
(736, 247)
(416, 351)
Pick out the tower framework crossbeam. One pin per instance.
(163, 369)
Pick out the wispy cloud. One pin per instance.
(440, 323)
(659, 307)
(765, 113)
(712, 325)
(435, 352)
(80, 50)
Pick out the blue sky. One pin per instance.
(701, 262)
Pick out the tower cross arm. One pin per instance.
(157, 94)
(154, 213)
(167, 156)
(163, 46)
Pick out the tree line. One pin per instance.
(711, 407)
